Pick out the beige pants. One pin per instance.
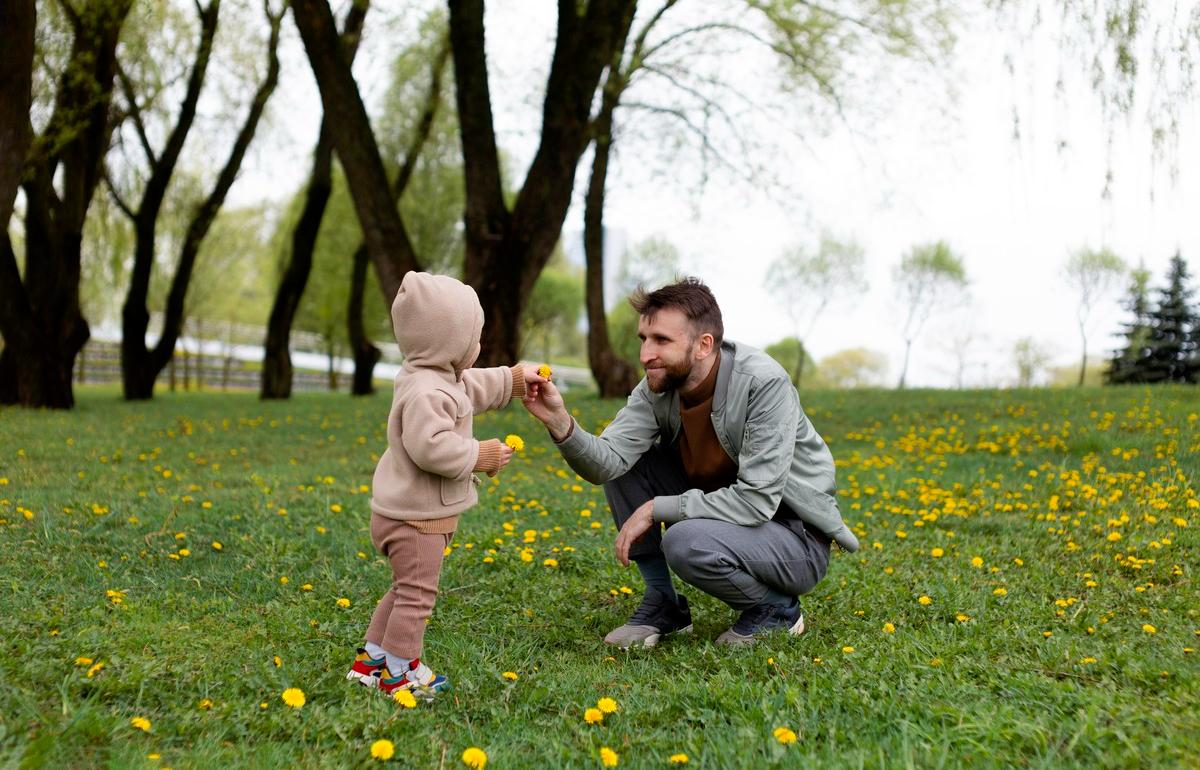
(398, 624)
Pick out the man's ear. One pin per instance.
(704, 345)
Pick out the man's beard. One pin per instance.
(673, 377)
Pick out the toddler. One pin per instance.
(425, 478)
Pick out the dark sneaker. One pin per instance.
(762, 619)
(656, 617)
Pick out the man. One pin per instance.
(712, 443)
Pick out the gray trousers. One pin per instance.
(734, 563)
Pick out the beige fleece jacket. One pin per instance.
(425, 476)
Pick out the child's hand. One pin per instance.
(506, 453)
(535, 374)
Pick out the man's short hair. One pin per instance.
(691, 297)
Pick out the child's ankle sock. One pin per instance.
(375, 651)
(397, 666)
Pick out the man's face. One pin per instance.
(668, 350)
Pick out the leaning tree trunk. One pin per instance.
(366, 355)
(614, 375)
(277, 359)
(40, 315)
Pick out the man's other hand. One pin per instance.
(635, 526)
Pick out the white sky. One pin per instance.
(1012, 209)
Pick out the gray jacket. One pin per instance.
(759, 422)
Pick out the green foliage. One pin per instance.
(805, 282)
(1056, 671)
(787, 352)
(650, 264)
(1029, 359)
(851, 368)
(1127, 363)
(930, 277)
(1162, 344)
(551, 321)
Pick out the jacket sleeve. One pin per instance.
(427, 433)
(607, 456)
(763, 463)
(493, 387)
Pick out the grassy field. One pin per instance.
(1026, 595)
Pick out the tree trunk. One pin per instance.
(354, 141)
(506, 251)
(904, 368)
(1083, 360)
(366, 355)
(18, 20)
(40, 315)
(277, 359)
(614, 375)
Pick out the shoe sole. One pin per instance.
(733, 638)
(654, 639)
(366, 680)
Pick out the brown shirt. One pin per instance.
(707, 465)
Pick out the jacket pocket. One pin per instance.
(454, 491)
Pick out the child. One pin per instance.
(425, 478)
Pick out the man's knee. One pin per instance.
(691, 547)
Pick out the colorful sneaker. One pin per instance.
(366, 669)
(419, 679)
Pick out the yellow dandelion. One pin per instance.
(383, 750)
(405, 698)
(593, 716)
(515, 442)
(343, 602)
(1114, 537)
(306, 587)
(96, 669)
(140, 723)
(474, 758)
(1149, 629)
(924, 601)
(510, 675)
(1087, 660)
(1000, 592)
(937, 553)
(293, 696)
(888, 628)
(83, 661)
(962, 617)
(847, 649)
(550, 563)
(206, 705)
(785, 735)
(607, 705)
(608, 757)
(216, 545)
(678, 759)
(976, 562)
(544, 371)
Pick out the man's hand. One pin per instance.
(544, 402)
(635, 526)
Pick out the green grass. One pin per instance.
(1031, 482)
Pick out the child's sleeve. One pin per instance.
(493, 387)
(429, 439)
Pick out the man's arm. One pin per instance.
(596, 458)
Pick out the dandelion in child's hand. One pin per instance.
(515, 442)
(383, 749)
(474, 758)
(544, 371)
(293, 696)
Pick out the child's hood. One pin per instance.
(437, 320)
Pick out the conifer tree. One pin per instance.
(1173, 338)
(1128, 363)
